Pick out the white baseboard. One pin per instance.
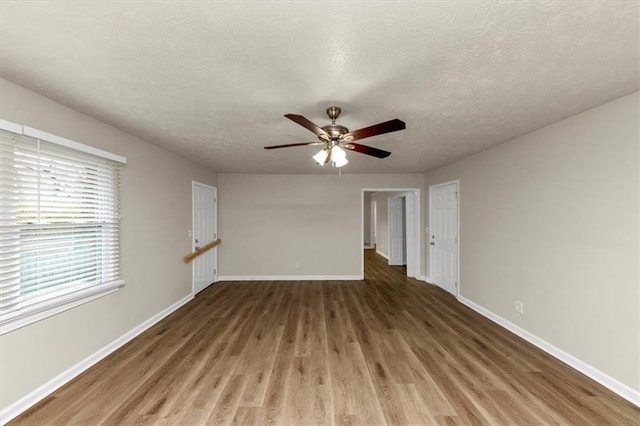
(424, 278)
(35, 396)
(385, 255)
(290, 277)
(605, 380)
(367, 247)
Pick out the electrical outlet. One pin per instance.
(189, 233)
(519, 307)
(298, 264)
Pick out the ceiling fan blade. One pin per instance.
(369, 150)
(293, 144)
(376, 129)
(306, 124)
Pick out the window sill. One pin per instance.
(63, 305)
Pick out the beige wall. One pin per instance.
(156, 214)
(268, 223)
(551, 219)
(366, 218)
(382, 223)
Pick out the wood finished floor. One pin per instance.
(389, 350)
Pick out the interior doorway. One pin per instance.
(397, 241)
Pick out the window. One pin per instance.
(59, 225)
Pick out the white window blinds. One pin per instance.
(59, 226)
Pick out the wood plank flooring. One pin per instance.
(386, 350)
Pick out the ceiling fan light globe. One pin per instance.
(338, 153)
(341, 162)
(338, 156)
(321, 157)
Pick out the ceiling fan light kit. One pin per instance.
(336, 155)
(337, 138)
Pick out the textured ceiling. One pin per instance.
(212, 80)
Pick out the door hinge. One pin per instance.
(215, 271)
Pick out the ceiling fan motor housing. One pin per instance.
(335, 131)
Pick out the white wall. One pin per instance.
(551, 219)
(156, 214)
(268, 223)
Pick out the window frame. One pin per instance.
(80, 296)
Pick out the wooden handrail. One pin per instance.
(188, 258)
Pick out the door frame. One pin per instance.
(417, 241)
(194, 184)
(430, 257)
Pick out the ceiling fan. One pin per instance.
(336, 138)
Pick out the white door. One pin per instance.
(443, 241)
(204, 232)
(396, 231)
